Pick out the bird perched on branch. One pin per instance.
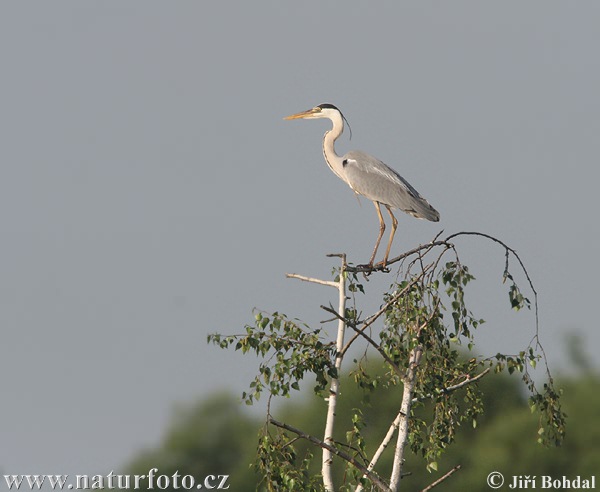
(369, 177)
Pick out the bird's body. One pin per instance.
(369, 177)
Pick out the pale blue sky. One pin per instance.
(150, 192)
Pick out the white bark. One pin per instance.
(335, 383)
(409, 386)
(382, 447)
(313, 280)
(326, 469)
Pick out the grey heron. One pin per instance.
(369, 177)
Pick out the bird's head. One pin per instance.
(324, 110)
(321, 111)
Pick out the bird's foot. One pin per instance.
(369, 268)
(366, 270)
(381, 267)
(365, 266)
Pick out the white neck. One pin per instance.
(333, 160)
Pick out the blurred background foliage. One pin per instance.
(218, 435)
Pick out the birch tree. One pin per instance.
(419, 336)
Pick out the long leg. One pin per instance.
(381, 231)
(394, 226)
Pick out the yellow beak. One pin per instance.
(303, 114)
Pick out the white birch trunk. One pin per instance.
(335, 383)
(409, 386)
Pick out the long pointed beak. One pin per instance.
(303, 114)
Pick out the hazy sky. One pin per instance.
(150, 192)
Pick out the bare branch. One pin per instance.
(381, 485)
(441, 479)
(504, 245)
(429, 246)
(313, 280)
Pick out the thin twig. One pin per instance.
(449, 389)
(531, 286)
(441, 479)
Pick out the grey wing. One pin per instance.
(375, 180)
